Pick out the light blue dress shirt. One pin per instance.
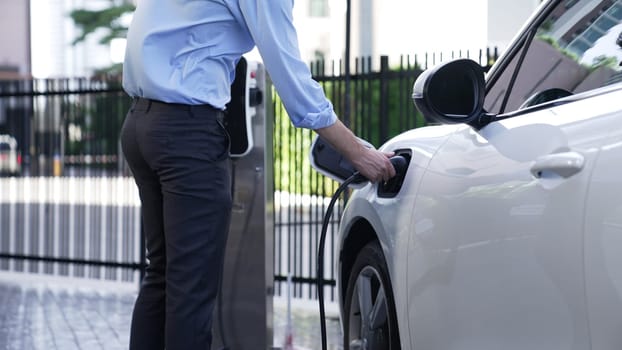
(185, 51)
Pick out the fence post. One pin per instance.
(348, 84)
(384, 98)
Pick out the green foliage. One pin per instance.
(90, 21)
(545, 37)
(605, 61)
(383, 108)
(598, 62)
(291, 160)
(92, 124)
(110, 73)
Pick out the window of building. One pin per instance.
(318, 8)
(319, 56)
(570, 3)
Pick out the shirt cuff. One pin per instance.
(318, 120)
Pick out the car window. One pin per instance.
(577, 48)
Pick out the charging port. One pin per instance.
(401, 160)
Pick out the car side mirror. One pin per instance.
(452, 92)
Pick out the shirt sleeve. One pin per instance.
(270, 23)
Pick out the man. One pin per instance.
(179, 66)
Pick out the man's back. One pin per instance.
(184, 51)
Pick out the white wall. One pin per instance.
(324, 34)
(14, 48)
(433, 25)
(505, 18)
(53, 31)
(406, 27)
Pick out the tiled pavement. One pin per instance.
(43, 313)
(57, 314)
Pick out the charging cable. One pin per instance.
(320, 253)
(400, 164)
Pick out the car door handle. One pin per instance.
(564, 164)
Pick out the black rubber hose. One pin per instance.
(400, 164)
(320, 253)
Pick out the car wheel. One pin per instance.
(370, 320)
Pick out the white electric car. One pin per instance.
(505, 232)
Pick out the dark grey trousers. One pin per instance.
(179, 156)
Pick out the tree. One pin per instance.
(108, 19)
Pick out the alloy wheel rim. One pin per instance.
(368, 326)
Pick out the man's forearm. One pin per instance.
(342, 139)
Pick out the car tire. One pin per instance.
(369, 288)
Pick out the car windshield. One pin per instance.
(576, 48)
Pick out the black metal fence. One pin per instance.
(65, 126)
(73, 208)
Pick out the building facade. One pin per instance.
(408, 27)
(52, 34)
(15, 58)
(505, 18)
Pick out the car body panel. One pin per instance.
(392, 225)
(490, 240)
(603, 239)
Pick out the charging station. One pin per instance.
(243, 316)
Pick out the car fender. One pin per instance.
(387, 220)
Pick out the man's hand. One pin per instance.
(372, 164)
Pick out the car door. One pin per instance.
(603, 240)
(496, 255)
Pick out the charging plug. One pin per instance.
(390, 188)
(400, 164)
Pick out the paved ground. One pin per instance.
(61, 314)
